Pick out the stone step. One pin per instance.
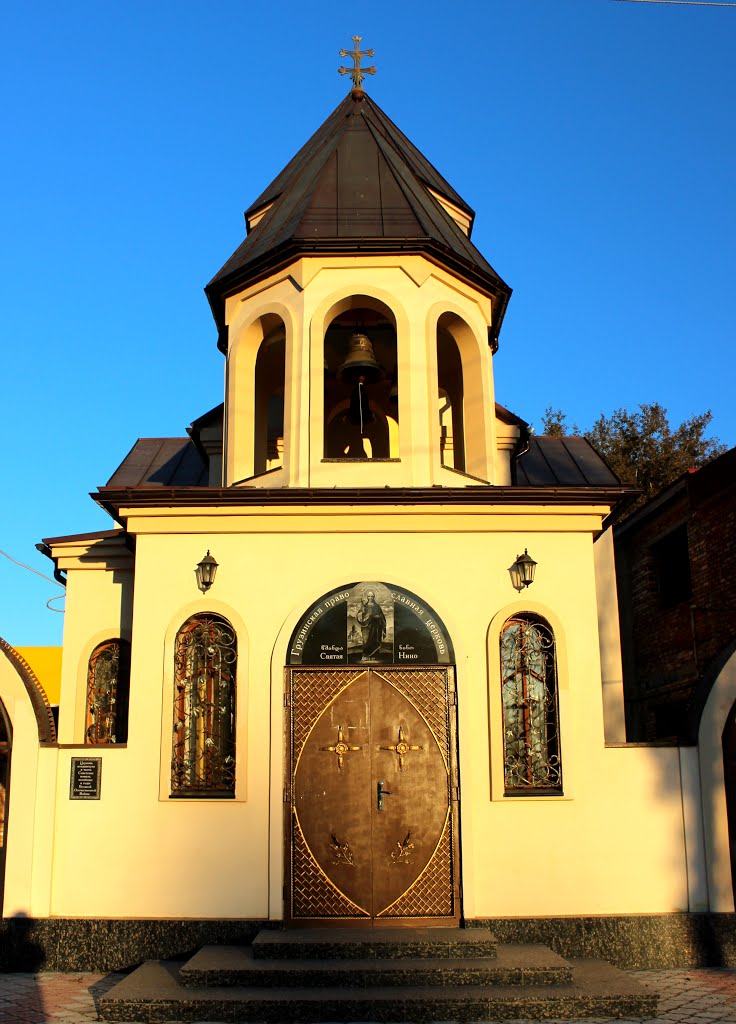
(374, 943)
(154, 992)
(513, 965)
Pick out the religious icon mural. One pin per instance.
(370, 612)
(370, 623)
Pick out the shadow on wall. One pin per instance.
(19, 948)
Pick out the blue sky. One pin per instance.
(595, 140)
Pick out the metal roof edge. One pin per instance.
(149, 497)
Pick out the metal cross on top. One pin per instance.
(357, 72)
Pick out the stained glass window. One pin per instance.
(531, 742)
(203, 749)
(107, 693)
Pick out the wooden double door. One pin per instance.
(372, 798)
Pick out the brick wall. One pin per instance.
(667, 650)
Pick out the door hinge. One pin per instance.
(455, 793)
(287, 702)
(286, 794)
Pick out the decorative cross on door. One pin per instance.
(341, 748)
(402, 748)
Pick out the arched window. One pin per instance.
(531, 742)
(108, 681)
(203, 751)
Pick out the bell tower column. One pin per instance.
(417, 410)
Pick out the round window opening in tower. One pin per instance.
(361, 397)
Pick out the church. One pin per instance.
(349, 652)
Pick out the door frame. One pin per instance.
(288, 796)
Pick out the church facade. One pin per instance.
(349, 652)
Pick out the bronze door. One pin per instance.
(371, 830)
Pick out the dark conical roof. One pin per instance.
(357, 183)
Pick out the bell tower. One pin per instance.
(359, 321)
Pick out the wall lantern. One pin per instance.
(206, 571)
(522, 571)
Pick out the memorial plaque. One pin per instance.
(369, 623)
(86, 780)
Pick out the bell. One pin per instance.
(360, 362)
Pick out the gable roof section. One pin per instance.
(548, 461)
(161, 462)
(358, 182)
(563, 462)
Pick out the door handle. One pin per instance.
(381, 793)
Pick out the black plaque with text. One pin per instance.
(370, 623)
(86, 780)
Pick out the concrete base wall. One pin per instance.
(632, 942)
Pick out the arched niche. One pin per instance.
(728, 741)
(6, 745)
(450, 395)
(256, 376)
(463, 397)
(268, 414)
(361, 404)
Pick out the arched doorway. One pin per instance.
(372, 808)
(729, 781)
(6, 743)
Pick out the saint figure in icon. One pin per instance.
(372, 624)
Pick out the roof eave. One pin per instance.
(219, 289)
(113, 500)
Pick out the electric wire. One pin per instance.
(43, 576)
(680, 3)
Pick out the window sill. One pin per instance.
(202, 795)
(538, 794)
(91, 746)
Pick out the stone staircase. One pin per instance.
(379, 974)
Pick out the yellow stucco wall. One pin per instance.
(613, 843)
(46, 664)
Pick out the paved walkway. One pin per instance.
(686, 997)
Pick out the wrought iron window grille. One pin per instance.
(532, 763)
(108, 676)
(203, 741)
